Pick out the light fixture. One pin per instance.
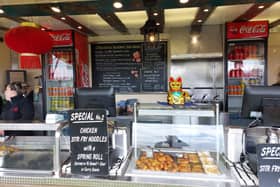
(2, 11)
(118, 4)
(158, 24)
(55, 9)
(151, 33)
(206, 10)
(199, 21)
(261, 6)
(184, 1)
(80, 27)
(63, 18)
(155, 13)
(43, 29)
(194, 39)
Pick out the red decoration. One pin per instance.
(28, 39)
(30, 61)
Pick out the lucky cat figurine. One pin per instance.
(176, 96)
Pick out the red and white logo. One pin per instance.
(61, 38)
(260, 28)
(252, 29)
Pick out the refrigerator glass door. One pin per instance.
(59, 81)
(245, 66)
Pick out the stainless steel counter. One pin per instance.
(35, 126)
(35, 159)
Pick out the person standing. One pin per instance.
(278, 80)
(16, 108)
(1, 103)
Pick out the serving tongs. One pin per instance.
(171, 142)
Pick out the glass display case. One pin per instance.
(171, 143)
(33, 155)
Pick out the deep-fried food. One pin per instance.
(7, 149)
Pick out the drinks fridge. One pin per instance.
(65, 68)
(245, 61)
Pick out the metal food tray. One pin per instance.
(32, 154)
(30, 160)
(132, 170)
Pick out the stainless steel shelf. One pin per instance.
(4, 125)
(197, 110)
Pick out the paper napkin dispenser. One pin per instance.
(121, 141)
(54, 118)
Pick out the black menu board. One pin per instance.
(130, 67)
(268, 165)
(89, 142)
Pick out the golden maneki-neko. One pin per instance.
(176, 95)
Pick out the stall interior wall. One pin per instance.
(203, 78)
(273, 56)
(180, 42)
(5, 64)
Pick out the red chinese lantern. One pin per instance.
(28, 39)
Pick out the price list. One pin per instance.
(130, 67)
(154, 75)
(118, 65)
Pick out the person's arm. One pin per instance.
(1, 105)
(27, 110)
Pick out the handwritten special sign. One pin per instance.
(89, 142)
(268, 165)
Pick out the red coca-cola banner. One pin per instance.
(251, 29)
(61, 38)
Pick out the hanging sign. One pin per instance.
(251, 29)
(268, 164)
(89, 142)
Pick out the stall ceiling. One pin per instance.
(100, 18)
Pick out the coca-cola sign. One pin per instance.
(252, 29)
(62, 38)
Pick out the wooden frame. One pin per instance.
(16, 75)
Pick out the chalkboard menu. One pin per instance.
(89, 142)
(130, 67)
(268, 165)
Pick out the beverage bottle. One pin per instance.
(62, 91)
(234, 53)
(229, 89)
(56, 92)
(53, 91)
(51, 73)
(254, 51)
(249, 51)
(238, 90)
(230, 56)
(232, 73)
(49, 91)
